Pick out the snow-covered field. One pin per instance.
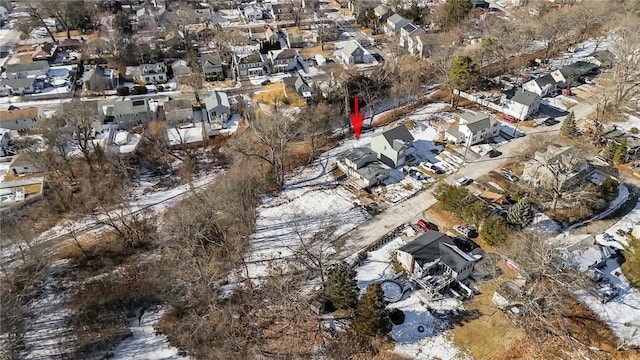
(581, 52)
(433, 342)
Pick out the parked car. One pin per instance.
(550, 121)
(425, 226)
(464, 181)
(465, 230)
(601, 159)
(411, 159)
(509, 176)
(508, 118)
(494, 153)
(266, 82)
(431, 167)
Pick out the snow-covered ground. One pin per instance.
(274, 78)
(434, 341)
(144, 342)
(581, 52)
(633, 121)
(185, 134)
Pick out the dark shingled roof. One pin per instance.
(398, 133)
(434, 245)
(524, 97)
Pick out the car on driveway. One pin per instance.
(508, 118)
(431, 167)
(550, 121)
(509, 176)
(465, 230)
(494, 153)
(464, 181)
(425, 226)
(266, 82)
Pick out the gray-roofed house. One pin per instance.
(126, 114)
(148, 73)
(17, 86)
(382, 12)
(218, 108)
(473, 129)
(249, 64)
(352, 53)
(178, 111)
(603, 58)
(394, 23)
(520, 103)
(23, 70)
(570, 73)
(300, 85)
(542, 86)
(418, 43)
(391, 145)
(363, 167)
(434, 249)
(212, 67)
(557, 167)
(283, 60)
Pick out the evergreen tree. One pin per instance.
(456, 11)
(371, 317)
(621, 152)
(463, 73)
(342, 289)
(569, 128)
(495, 230)
(609, 150)
(521, 214)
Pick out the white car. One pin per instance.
(463, 230)
(464, 181)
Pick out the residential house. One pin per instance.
(144, 17)
(394, 23)
(520, 103)
(418, 43)
(618, 136)
(405, 33)
(218, 108)
(352, 53)
(282, 11)
(569, 74)
(70, 44)
(473, 129)
(300, 85)
(296, 41)
(249, 64)
(45, 52)
(391, 145)
(16, 191)
(201, 15)
(23, 70)
(542, 86)
(21, 165)
(126, 114)
(6, 147)
(270, 35)
(100, 79)
(20, 119)
(148, 73)
(283, 60)
(434, 250)
(363, 167)
(178, 111)
(382, 13)
(212, 67)
(252, 13)
(17, 86)
(603, 59)
(558, 167)
(181, 70)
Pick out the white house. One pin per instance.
(178, 111)
(473, 129)
(391, 145)
(283, 60)
(520, 103)
(17, 86)
(394, 23)
(21, 165)
(20, 119)
(23, 70)
(542, 86)
(125, 114)
(252, 13)
(249, 64)
(218, 108)
(352, 53)
(144, 17)
(5, 140)
(362, 166)
(148, 73)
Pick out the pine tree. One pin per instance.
(621, 152)
(342, 289)
(371, 317)
(569, 128)
(521, 214)
(609, 150)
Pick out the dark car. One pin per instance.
(266, 82)
(550, 121)
(425, 226)
(494, 153)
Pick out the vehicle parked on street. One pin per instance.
(494, 153)
(550, 121)
(266, 82)
(509, 118)
(431, 167)
(464, 181)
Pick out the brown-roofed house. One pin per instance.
(70, 44)
(20, 119)
(45, 52)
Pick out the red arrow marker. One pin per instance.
(356, 118)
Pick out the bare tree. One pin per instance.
(625, 75)
(80, 117)
(551, 28)
(316, 125)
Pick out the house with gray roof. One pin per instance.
(542, 86)
(249, 64)
(178, 111)
(520, 103)
(352, 53)
(283, 60)
(394, 23)
(125, 114)
(23, 70)
(437, 253)
(218, 108)
(473, 129)
(148, 73)
(212, 67)
(382, 12)
(17, 86)
(570, 73)
(362, 167)
(391, 145)
(300, 85)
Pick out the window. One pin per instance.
(146, 78)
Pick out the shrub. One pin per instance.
(633, 130)
(123, 91)
(139, 90)
(494, 230)
(342, 289)
(370, 316)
